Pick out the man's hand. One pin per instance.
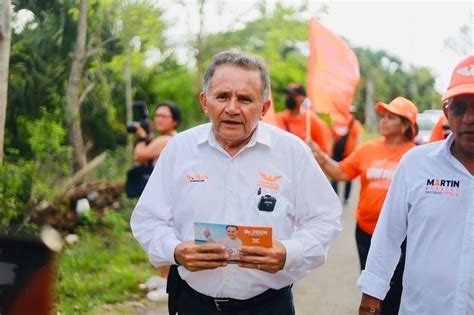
(266, 259)
(369, 305)
(200, 257)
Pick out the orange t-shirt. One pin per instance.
(320, 131)
(438, 132)
(375, 162)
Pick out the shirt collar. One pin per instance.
(261, 135)
(444, 148)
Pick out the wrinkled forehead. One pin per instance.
(232, 76)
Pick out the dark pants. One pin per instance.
(347, 189)
(391, 303)
(191, 304)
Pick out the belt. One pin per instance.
(228, 304)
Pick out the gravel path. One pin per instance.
(331, 289)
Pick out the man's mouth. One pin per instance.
(231, 122)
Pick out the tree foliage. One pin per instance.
(137, 31)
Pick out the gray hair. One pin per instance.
(240, 59)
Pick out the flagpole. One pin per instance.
(307, 105)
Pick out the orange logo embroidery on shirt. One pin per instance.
(269, 178)
(268, 181)
(200, 178)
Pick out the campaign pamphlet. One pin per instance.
(232, 236)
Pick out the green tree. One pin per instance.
(385, 77)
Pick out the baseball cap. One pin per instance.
(296, 88)
(399, 106)
(462, 79)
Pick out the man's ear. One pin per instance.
(265, 108)
(203, 101)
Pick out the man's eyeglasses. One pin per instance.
(457, 107)
(162, 116)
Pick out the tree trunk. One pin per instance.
(128, 99)
(370, 114)
(5, 39)
(73, 91)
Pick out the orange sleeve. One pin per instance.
(321, 134)
(351, 164)
(437, 133)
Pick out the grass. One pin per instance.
(103, 267)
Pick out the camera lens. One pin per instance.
(131, 127)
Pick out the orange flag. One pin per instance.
(333, 73)
(270, 115)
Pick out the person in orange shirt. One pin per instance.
(346, 139)
(441, 130)
(293, 119)
(375, 162)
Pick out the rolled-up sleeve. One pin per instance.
(152, 221)
(317, 223)
(390, 232)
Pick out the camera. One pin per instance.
(140, 116)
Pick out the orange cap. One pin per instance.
(462, 79)
(399, 106)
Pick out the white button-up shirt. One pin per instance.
(431, 202)
(195, 180)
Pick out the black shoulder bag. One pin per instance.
(137, 177)
(339, 146)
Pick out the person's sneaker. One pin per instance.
(153, 282)
(157, 295)
(346, 202)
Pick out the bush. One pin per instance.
(25, 183)
(16, 182)
(114, 168)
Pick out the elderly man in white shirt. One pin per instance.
(431, 202)
(236, 170)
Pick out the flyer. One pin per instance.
(232, 236)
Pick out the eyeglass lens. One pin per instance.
(458, 108)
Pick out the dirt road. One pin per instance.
(331, 289)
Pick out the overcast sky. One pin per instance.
(413, 31)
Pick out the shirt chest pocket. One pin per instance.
(270, 205)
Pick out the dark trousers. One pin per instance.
(391, 303)
(192, 304)
(347, 189)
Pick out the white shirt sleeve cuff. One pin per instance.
(294, 255)
(168, 250)
(372, 285)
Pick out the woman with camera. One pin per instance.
(166, 119)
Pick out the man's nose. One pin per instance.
(232, 106)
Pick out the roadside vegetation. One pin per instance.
(104, 266)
